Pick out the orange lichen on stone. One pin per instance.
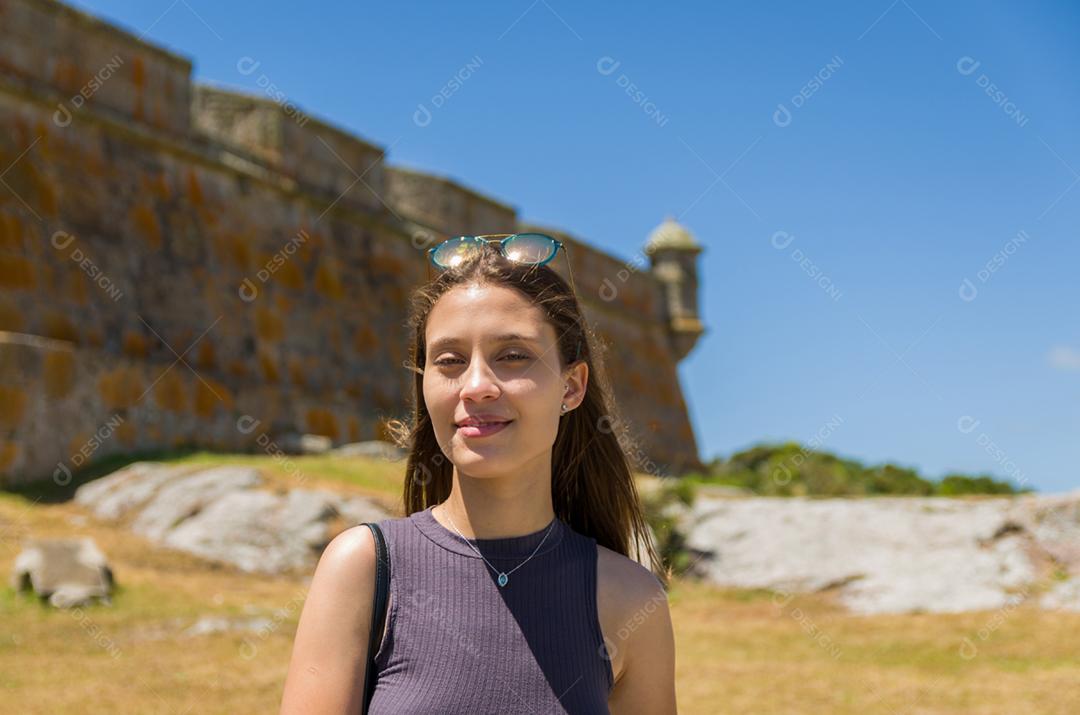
(364, 339)
(120, 388)
(66, 74)
(290, 275)
(158, 185)
(354, 429)
(58, 373)
(209, 396)
(385, 263)
(11, 318)
(320, 421)
(296, 372)
(11, 235)
(147, 225)
(158, 118)
(268, 325)
(327, 280)
(42, 189)
(135, 344)
(9, 451)
(171, 392)
(16, 272)
(59, 326)
(354, 390)
(12, 405)
(78, 286)
(237, 368)
(138, 73)
(206, 357)
(126, 433)
(269, 368)
(236, 250)
(195, 192)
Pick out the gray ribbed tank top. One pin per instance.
(455, 642)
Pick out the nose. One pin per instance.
(479, 382)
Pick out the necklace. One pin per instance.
(504, 576)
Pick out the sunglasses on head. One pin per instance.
(529, 248)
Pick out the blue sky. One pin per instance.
(923, 145)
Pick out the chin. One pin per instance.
(483, 461)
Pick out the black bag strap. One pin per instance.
(378, 613)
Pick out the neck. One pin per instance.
(498, 507)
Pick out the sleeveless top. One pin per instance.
(457, 642)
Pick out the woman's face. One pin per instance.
(491, 354)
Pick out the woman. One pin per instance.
(512, 589)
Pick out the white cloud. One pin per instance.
(1065, 358)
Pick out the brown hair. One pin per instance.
(592, 485)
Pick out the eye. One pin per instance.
(512, 357)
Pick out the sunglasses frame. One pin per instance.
(502, 239)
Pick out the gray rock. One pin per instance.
(221, 515)
(1064, 596)
(219, 624)
(293, 443)
(259, 531)
(183, 496)
(376, 449)
(357, 510)
(112, 496)
(1054, 521)
(69, 572)
(883, 555)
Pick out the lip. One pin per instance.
(481, 425)
(482, 417)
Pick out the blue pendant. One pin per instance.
(503, 578)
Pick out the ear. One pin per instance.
(576, 377)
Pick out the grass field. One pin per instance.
(738, 651)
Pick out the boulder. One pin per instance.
(221, 514)
(68, 572)
(1064, 595)
(294, 443)
(885, 554)
(376, 449)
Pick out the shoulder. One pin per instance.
(351, 550)
(628, 593)
(330, 646)
(629, 585)
(636, 623)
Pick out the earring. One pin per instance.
(564, 408)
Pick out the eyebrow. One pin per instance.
(442, 343)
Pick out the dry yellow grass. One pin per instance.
(749, 652)
(738, 652)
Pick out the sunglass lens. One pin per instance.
(531, 248)
(454, 252)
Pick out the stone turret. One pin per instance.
(673, 252)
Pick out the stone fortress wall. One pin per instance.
(182, 264)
